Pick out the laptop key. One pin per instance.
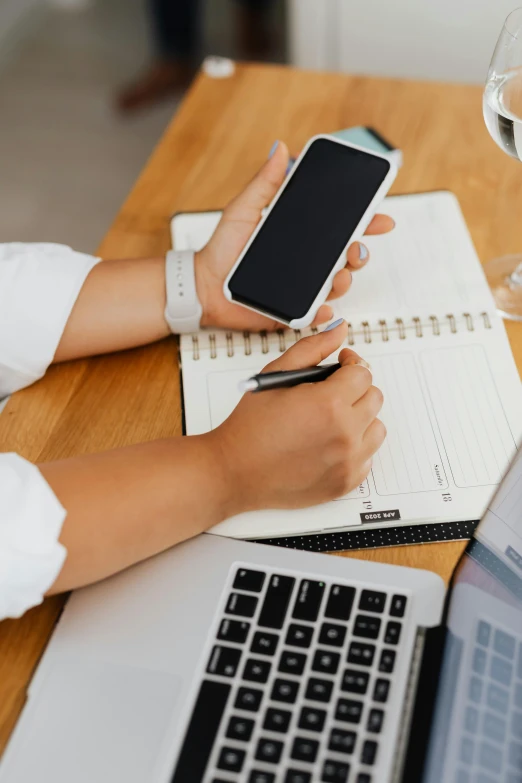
(483, 633)
(335, 772)
(504, 644)
(240, 728)
(277, 720)
(333, 635)
(515, 755)
(259, 776)
(387, 661)
(312, 719)
(366, 626)
(202, 730)
(234, 631)
(231, 759)
(242, 605)
(304, 749)
(381, 690)
(398, 605)
(375, 721)
(248, 699)
(518, 696)
(252, 581)
(369, 752)
(285, 691)
(319, 690)
(479, 660)
(326, 662)
(340, 602)
(308, 601)
(363, 777)
(494, 727)
(277, 598)
(467, 748)
(501, 670)
(342, 741)
(471, 720)
(292, 662)
(224, 661)
(264, 643)
(355, 681)
(297, 776)
(372, 601)
(349, 711)
(498, 698)
(269, 751)
(360, 653)
(299, 635)
(393, 633)
(490, 757)
(475, 690)
(256, 671)
(516, 725)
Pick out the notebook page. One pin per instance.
(452, 412)
(426, 265)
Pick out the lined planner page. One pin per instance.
(474, 428)
(452, 407)
(409, 460)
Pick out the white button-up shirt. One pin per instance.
(39, 285)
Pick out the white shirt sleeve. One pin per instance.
(31, 520)
(39, 285)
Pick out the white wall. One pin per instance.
(14, 17)
(448, 40)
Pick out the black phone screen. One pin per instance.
(302, 238)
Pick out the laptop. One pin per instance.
(223, 661)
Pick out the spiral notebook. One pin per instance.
(422, 314)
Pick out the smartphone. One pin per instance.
(327, 201)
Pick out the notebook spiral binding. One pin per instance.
(369, 333)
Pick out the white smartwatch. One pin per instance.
(183, 311)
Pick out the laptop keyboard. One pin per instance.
(491, 744)
(296, 684)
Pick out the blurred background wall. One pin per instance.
(446, 40)
(69, 154)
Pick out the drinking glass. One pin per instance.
(503, 116)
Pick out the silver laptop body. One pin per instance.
(225, 661)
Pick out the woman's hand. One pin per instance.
(239, 220)
(288, 448)
(292, 448)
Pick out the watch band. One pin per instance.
(183, 311)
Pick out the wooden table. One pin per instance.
(219, 138)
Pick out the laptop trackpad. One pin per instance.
(95, 721)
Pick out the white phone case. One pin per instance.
(306, 320)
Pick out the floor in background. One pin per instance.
(67, 159)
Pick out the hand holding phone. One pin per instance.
(287, 267)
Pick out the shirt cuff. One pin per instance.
(39, 285)
(31, 520)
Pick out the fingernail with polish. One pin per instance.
(363, 252)
(334, 325)
(272, 149)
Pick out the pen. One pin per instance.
(285, 379)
